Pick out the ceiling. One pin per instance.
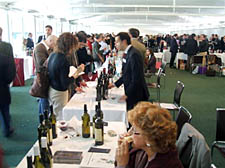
(148, 15)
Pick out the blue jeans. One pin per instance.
(5, 118)
(43, 104)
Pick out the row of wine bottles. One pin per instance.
(46, 132)
(97, 125)
(42, 157)
(102, 86)
(47, 126)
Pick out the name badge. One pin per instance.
(124, 60)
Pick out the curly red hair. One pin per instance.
(156, 126)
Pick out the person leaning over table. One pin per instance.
(154, 137)
(58, 67)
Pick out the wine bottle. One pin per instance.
(37, 160)
(46, 156)
(42, 129)
(85, 123)
(98, 90)
(52, 119)
(49, 126)
(29, 161)
(101, 112)
(99, 131)
(93, 121)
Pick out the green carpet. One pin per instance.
(201, 96)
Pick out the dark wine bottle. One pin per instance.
(93, 121)
(42, 129)
(52, 119)
(46, 156)
(99, 129)
(98, 90)
(49, 126)
(29, 161)
(101, 112)
(85, 123)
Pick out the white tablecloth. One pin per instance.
(180, 56)
(158, 55)
(221, 56)
(74, 143)
(28, 67)
(112, 109)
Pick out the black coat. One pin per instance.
(173, 45)
(7, 72)
(133, 78)
(191, 47)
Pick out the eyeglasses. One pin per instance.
(133, 130)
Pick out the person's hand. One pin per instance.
(121, 137)
(83, 84)
(79, 90)
(111, 85)
(82, 66)
(122, 154)
(123, 98)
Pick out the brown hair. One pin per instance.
(156, 126)
(65, 43)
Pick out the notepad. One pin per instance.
(67, 157)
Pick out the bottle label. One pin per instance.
(98, 135)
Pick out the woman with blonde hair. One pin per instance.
(154, 137)
(58, 67)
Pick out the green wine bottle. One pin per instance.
(85, 123)
(49, 126)
(52, 119)
(99, 129)
(37, 160)
(46, 156)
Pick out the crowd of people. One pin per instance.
(152, 129)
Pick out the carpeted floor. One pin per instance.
(201, 96)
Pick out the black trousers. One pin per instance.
(173, 56)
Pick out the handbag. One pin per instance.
(40, 84)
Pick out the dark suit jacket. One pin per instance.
(7, 71)
(173, 45)
(30, 43)
(40, 38)
(133, 78)
(40, 56)
(203, 46)
(191, 47)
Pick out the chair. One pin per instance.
(157, 84)
(219, 143)
(192, 148)
(176, 100)
(163, 67)
(184, 116)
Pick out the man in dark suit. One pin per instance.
(173, 49)
(7, 74)
(191, 49)
(132, 72)
(48, 31)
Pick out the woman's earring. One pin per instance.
(148, 145)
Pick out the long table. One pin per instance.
(68, 141)
(113, 110)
